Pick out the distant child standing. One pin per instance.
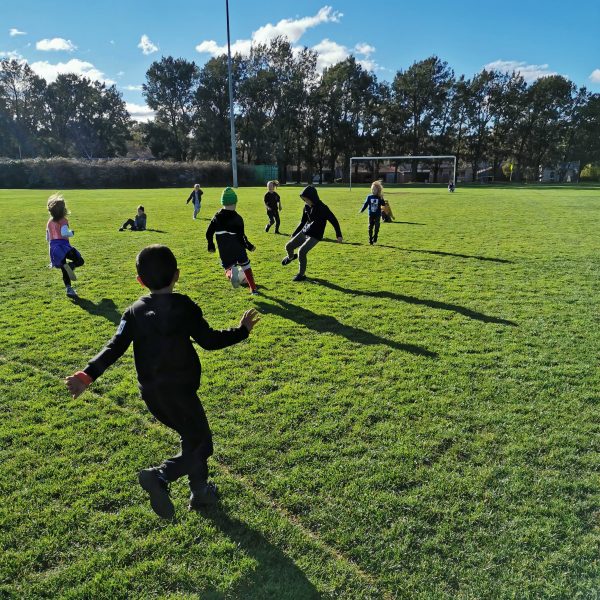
(162, 326)
(310, 230)
(273, 204)
(196, 199)
(232, 242)
(58, 235)
(137, 224)
(374, 202)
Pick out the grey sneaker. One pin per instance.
(158, 490)
(235, 277)
(70, 272)
(203, 496)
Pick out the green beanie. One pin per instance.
(228, 197)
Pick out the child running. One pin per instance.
(310, 230)
(375, 202)
(196, 198)
(57, 235)
(232, 242)
(273, 204)
(137, 224)
(160, 326)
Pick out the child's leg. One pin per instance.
(377, 224)
(277, 221)
(294, 243)
(371, 223)
(65, 276)
(249, 276)
(306, 247)
(196, 210)
(128, 223)
(75, 258)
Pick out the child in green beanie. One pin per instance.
(232, 242)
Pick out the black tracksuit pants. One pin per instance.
(182, 411)
(76, 261)
(274, 218)
(374, 222)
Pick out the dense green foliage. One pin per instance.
(418, 420)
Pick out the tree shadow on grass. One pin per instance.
(461, 310)
(105, 308)
(329, 324)
(276, 575)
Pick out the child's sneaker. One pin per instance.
(71, 293)
(255, 293)
(69, 271)
(203, 496)
(158, 490)
(287, 260)
(299, 277)
(268, 226)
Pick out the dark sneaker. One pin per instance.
(158, 490)
(203, 496)
(277, 231)
(287, 260)
(71, 293)
(299, 277)
(267, 226)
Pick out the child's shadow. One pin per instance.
(327, 323)
(156, 230)
(105, 308)
(276, 575)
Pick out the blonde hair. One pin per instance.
(376, 188)
(274, 182)
(57, 207)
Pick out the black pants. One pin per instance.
(274, 218)
(76, 261)
(374, 222)
(129, 223)
(182, 411)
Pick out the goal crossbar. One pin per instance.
(409, 157)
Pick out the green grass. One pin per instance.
(419, 420)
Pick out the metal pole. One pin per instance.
(350, 174)
(231, 115)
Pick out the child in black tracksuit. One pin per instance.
(228, 226)
(375, 202)
(273, 204)
(310, 230)
(160, 326)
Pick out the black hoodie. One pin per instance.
(315, 217)
(160, 327)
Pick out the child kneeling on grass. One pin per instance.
(232, 242)
(310, 230)
(57, 236)
(160, 326)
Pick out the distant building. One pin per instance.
(564, 172)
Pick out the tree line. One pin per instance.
(289, 114)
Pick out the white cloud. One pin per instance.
(330, 53)
(80, 67)
(147, 46)
(11, 54)
(140, 112)
(120, 73)
(293, 29)
(364, 49)
(14, 31)
(47, 45)
(595, 76)
(528, 72)
(133, 88)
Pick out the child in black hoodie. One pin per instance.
(160, 326)
(228, 226)
(310, 230)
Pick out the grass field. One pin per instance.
(418, 420)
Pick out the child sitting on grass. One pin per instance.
(57, 235)
(310, 230)
(137, 224)
(160, 326)
(232, 242)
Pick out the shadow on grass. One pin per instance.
(105, 308)
(329, 324)
(441, 253)
(276, 575)
(157, 230)
(401, 223)
(461, 310)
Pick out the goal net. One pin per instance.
(403, 169)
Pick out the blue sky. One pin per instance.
(117, 40)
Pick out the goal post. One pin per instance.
(448, 157)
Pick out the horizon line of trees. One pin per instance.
(288, 114)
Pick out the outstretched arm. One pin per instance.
(210, 232)
(336, 225)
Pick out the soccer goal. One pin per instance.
(430, 169)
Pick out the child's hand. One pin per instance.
(75, 386)
(252, 248)
(340, 239)
(250, 319)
